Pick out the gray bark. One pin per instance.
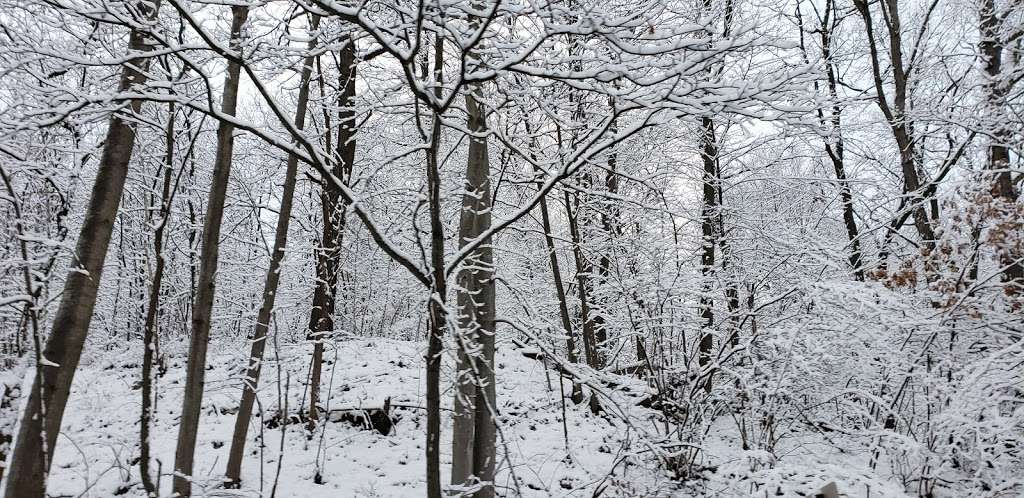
(473, 434)
(202, 308)
(234, 467)
(40, 422)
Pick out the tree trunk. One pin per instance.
(233, 474)
(998, 152)
(895, 114)
(583, 284)
(563, 305)
(438, 290)
(202, 308)
(709, 210)
(473, 434)
(321, 318)
(836, 149)
(48, 393)
(610, 225)
(152, 310)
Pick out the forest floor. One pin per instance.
(98, 447)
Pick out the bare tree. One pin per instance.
(896, 113)
(149, 333)
(202, 308)
(233, 474)
(997, 88)
(473, 434)
(834, 146)
(328, 255)
(41, 419)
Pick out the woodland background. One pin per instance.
(748, 246)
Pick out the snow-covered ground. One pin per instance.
(97, 452)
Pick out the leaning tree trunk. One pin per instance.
(896, 115)
(202, 308)
(563, 302)
(233, 474)
(29, 461)
(473, 434)
(328, 257)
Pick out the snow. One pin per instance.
(97, 453)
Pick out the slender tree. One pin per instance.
(438, 287)
(896, 113)
(233, 474)
(835, 146)
(202, 308)
(563, 301)
(328, 255)
(149, 333)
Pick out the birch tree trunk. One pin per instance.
(202, 308)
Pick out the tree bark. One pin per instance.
(202, 308)
(583, 284)
(50, 387)
(709, 210)
(233, 474)
(473, 434)
(563, 305)
(610, 224)
(152, 310)
(438, 290)
(328, 257)
(836, 149)
(991, 46)
(895, 114)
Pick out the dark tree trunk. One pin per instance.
(991, 46)
(582, 285)
(328, 256)
(563, 305)
(835, 149)
(610, 224)
(438, 290)
(895, 114)
(152, 311)
(709, 211)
